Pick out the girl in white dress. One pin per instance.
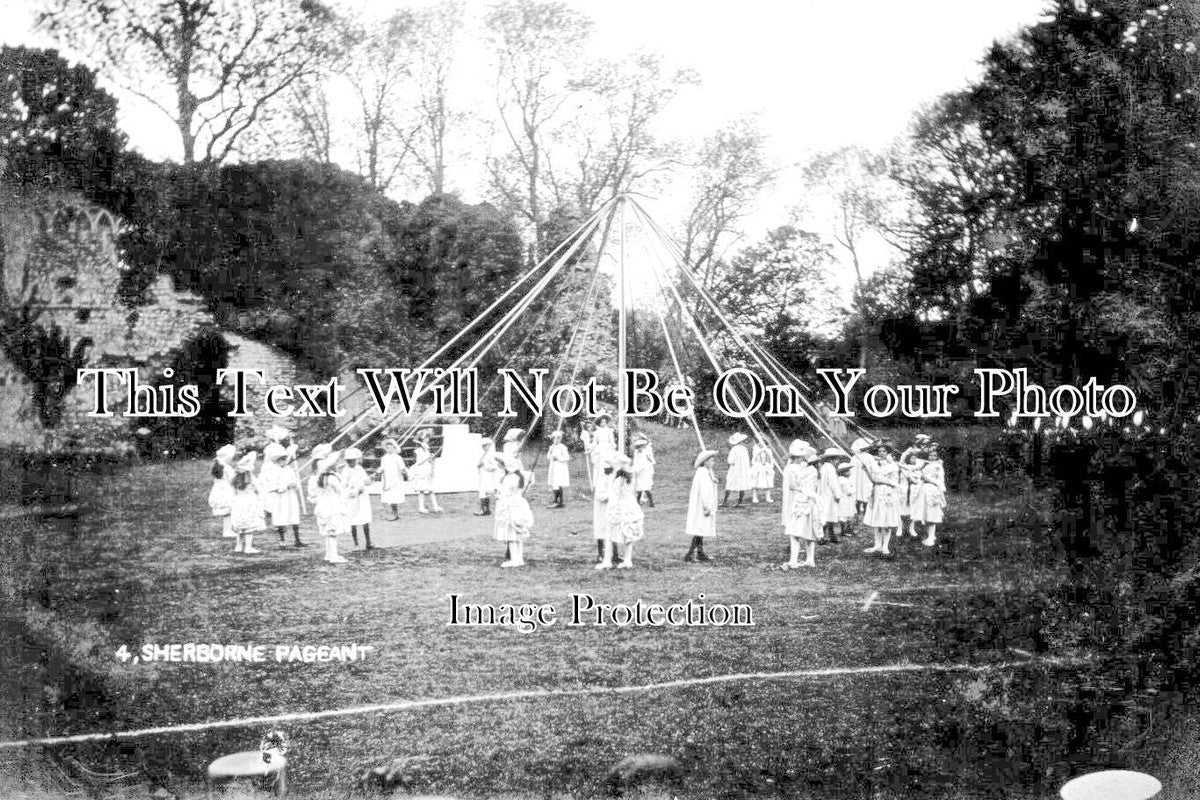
(931, 500)
(587, 436)
(220, 497)
(357, 481)
(559, 469)
(643, 469)
(800, 521)
(862, 462)
(702, 506)
(737, 479)
(762, 472)
(246, 511)
(601, 480)
(514, 517)
(392, 474)
(422, 473)
(606, 437)
(280, 484)
(883, 512)
(908, 491)
(829, 493)
(846, 507)
(490, 472)
(625, 516)
(331, 504)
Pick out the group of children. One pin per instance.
(822, 493)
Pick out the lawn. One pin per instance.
(144, 563)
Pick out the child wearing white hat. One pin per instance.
(883, 512)
(931, 499)
(330, 504)
(601, 483)
(421, 472)
(220, 497)
(392, 473)
(625, 518)
(702, 506)
(246, 511)
(643, 469)
(862, 463)
(737, 479)
(762, 471)
(490, 472)
(357, 482)
(800, 517)
(514, 517)
(281, 486)
(559, 470)
(846, 506)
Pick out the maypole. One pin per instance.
(621, 410)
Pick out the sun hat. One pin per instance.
(604, 415)
(277, 434)
(424, 433)
(641, 441)
(859, 444)
(833, 452)
(798, 448)
(512, 434)
(225, 452)
(390, 442)
(352, 453)
(556, 434)
(324, 449)
(845, 466)
(330, 461)
(273, 451)
(703, 456)
(738, 438)
(619, 460)
(246, 462)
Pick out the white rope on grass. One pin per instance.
(537, 694)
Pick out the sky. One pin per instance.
(819, 75)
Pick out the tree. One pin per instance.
(536, 45)
(731, 170)
(379, 68)
(611, 140)
(57, 127)
(436, 39)
(779, 285)
(213, 67)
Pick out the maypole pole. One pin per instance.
(621, 410)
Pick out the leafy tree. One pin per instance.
(57, 127)
(213, 67)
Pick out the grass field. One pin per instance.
(145, 564)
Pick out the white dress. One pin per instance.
(421, 470)
(246, 512)
(930, 503)
(357, 482)
(625, 518)
(738, 477)
(800, 518)
(863, 465)
(883, 511)
(606, 441)
(559, 472)
(282, 494)
(514, 517)
(267, 479)
(393, 469)
(600, 488)
(703, 497)
(489, 474)
(846, 509)
(762, 469)
(643, 468)
(220, 497)
(330, 505)
(829, 493)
